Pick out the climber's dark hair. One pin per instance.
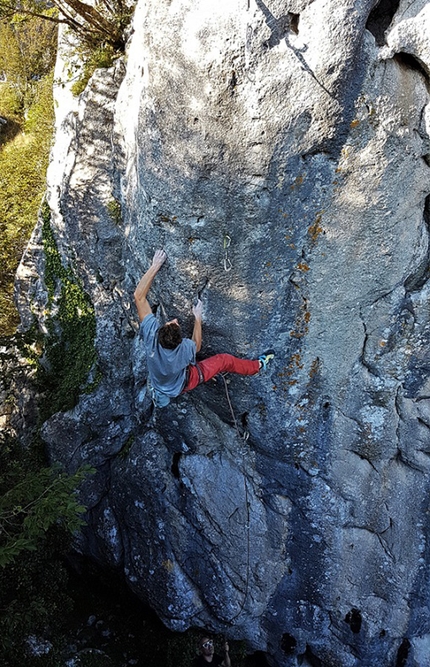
(169, 336)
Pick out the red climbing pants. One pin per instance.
(220, 363)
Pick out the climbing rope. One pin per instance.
(245, 435)
(242, 436)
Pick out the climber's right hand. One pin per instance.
(158, 259)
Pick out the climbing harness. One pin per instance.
(227, 264)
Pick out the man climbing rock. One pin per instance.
(171, 359)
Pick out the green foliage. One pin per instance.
(114, 210)
(100, 28)
(54, 269)
(33, 499)
(94, 22)
(11, 109)
(28, 509)
(26, 102)
(69, 353)
(37, 596)
(30, 56)
(38, 510)
(102, 55)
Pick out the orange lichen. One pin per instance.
(303, 267)
(295, 361)
(315, 366)
(298, 181)
(302, 321)
(315, 230)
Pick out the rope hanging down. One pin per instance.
(242, 436)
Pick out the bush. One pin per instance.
(33, 499)
(103, 55)
(29, 57)
(26, 102)
(38, 512)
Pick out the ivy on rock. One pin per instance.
(69, 351)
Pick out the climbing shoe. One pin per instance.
(265, 358)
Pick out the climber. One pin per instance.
(207, 655)
(171, 359)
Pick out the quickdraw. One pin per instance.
(227, 264)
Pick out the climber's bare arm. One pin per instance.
(141, 291)
(226, 662)
(197, 331)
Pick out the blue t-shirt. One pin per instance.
(167, 368)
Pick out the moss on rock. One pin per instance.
(69, 351)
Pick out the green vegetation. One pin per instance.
(26, 104)
(114, 209)
(102, 55)
(26, 67)
(69, 352)
(39, 510)
(39, 506)
(94, 23)
(40, 597)
(28, 58)
(32, 502)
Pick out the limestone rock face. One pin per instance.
(279, 152)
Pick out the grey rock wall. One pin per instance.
(279, 152)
